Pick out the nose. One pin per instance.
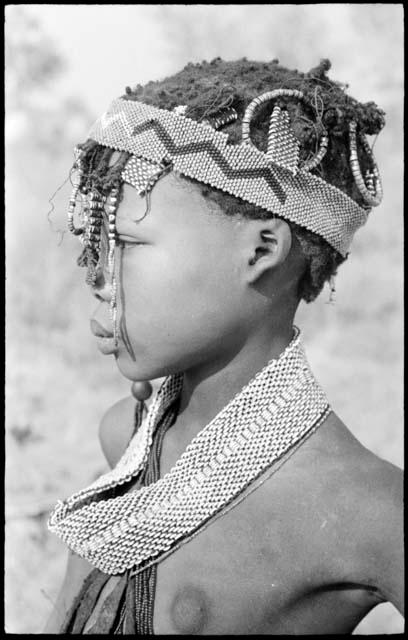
(102, 290)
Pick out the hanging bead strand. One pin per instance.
(372, 191)
(73, 199)
(112, 207)
(312, 164)
(95, 207)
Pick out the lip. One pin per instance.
(104, 338)
(99, 331)
(107, 346)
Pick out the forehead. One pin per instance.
(174, 204)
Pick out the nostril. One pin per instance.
(101, 289)
(100, 279)
(102, 293)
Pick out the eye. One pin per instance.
(125, 242)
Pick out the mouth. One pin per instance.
(105, 342)
(99, 331)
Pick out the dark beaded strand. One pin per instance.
(145, 581)
(129, 608)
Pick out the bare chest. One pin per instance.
(260, 569)
(284, 560)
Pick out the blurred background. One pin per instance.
(64, 64)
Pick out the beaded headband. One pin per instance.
(159, 140)
(272, 180)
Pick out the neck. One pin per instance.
(208, 388)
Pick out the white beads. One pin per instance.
(283, 146)
(372, 191)
(264, 97)
(218, 465)
(198, 151)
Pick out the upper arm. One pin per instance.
(392, 532)
(116, 429)
(76, 572)
(384, 521)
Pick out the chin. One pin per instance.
(139, 370)
(133, 371)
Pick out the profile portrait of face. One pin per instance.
(185, 280)
(204, 378)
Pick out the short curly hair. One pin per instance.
(208, 87)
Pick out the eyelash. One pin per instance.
(129, 243)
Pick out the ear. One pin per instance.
(268, 243)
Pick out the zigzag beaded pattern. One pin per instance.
(213, 157)
(198, 151)
(141, 173)
(269, 416)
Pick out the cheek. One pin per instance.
(151, 276)
(164, 287)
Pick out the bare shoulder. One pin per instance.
(334, 447)
(116, 429)
(376, 484)
(378, 522)
(364, 493)
(76, 572)
(355, 477)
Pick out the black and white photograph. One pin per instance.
(204, 319)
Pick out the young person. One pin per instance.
(212, 203)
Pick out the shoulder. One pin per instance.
(378, 526)
(364, 495)
(371, 484)
(116, 429)
(371, 478)
(349, 465)
(356, 479)
(77, 570)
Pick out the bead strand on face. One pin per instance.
(111, 209)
